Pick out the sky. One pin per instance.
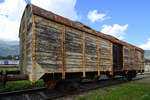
(128, 20)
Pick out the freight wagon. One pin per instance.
(55, 48)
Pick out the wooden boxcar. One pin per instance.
(53, 47)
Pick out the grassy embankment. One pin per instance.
(9, 69)
(134, 90)
(18, 85)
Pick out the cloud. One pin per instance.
(116, 30)
(146, 46)
(64, 8)
(11, 12)
(8, 29)
(10, 15)
(94, 16)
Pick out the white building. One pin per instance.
(9, 62)
(147, 65)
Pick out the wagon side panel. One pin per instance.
(73, 50)
(139, 60)
(132, 58)
(126, 57)
(48, 46)
(106, 56)
(91, 52)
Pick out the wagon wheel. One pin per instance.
(95, 78)
(129, 76)
(61, 86)
(109, 76)
(50, 84)
(64, 85)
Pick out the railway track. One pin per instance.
(44, 94)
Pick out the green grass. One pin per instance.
(147, 71)
(9, 69)
(135, 90)
(19, 85)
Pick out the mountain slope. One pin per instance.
(9, 48)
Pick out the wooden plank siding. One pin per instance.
(132, 59)
(49, 45)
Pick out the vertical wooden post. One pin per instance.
(111, 52)
(129, 58)
(25, 52)
(33, 50)
(25, 43)
(20, 51)
(63, 51)
(141, 65)
(123, 58)
(142, 61)
(98, 56)
(83, 55)
(136, 60)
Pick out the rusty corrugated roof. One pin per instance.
(77, 25)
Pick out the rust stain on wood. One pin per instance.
(123, 58)
(141, 67)
(83, 56)
(63, 52)
(98, 56)
(128, 57)
(33, 50)
(25, 44)
(111, 52)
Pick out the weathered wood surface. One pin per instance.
(25, 41)
(132, 58)
(139, 60)
(73, 44)
(129, 55)
(90, 52)
(48, 43)
(48, 48)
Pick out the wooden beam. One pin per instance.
(123, 58)
(111, 52)
(141, 65)
(20, 52)
(98, 56)
(33, 49)
(129, 57)
(137, 60)
(63, 52)
(25, 42)
(83, 55)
